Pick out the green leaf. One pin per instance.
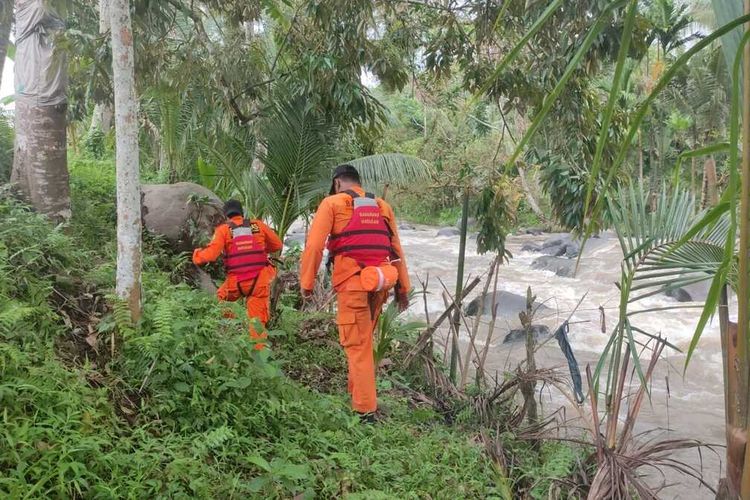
(391, 168)
(513, 54)
(182, 387)
(260, 462)
(614, 95)
(572, 66)
(725, 11)
(636, 121)
(239, 383)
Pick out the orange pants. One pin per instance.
(356, 322)
(258, 299)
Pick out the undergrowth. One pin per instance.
(180, 405)
(185, 408)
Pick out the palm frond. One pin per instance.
(726, 11)
(296, 156)
(662, 251)
(391, 168)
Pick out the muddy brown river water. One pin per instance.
(680, 407)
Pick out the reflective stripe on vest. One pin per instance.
(246, 256)
(367, 237)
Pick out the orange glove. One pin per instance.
(197, 260)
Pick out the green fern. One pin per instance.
(216, 438)
(163, 318)
(123, 319)
(11, 315)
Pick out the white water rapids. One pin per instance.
(689, 407)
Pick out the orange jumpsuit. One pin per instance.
(355, 321)
(257, 291)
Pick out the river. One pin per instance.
(680, 407)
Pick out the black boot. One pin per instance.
(367, 418)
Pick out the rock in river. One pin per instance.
(558, 265)
(508, 305)
(448, 231)
(519, 334)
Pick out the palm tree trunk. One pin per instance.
(640, 156)
(128, 181)
(6, 18)
(710, 195)
(102, 117)
(693, 160)
(40, 166)
(743, 285)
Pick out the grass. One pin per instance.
(180, 405)
(185, 408)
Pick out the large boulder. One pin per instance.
(507, 306)
(555, 251)
(558, 265)
(531, 247)
(184, 214)
(572, 249)
(561, 246)
(519, 334)
(556, 241)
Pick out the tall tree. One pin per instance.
(128, 179)
(40, 167)
(6, 18)
(102, 116)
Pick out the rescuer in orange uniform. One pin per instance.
(367, 261)
(244, 245)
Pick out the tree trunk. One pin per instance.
(6, 18)
(102, 117)
(530, 196)
(128, 181)
(40, 167)
(710, 195)
(640, 156)
(743, 282)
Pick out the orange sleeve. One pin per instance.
(273, 242)
(321, 227)
(403, 273)
(214, 249)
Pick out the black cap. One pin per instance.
(232, 207)
(344, 169)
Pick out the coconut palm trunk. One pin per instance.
(128, 179)
(743, 282)
(40, 167)
(102, 117)
(6, 18)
